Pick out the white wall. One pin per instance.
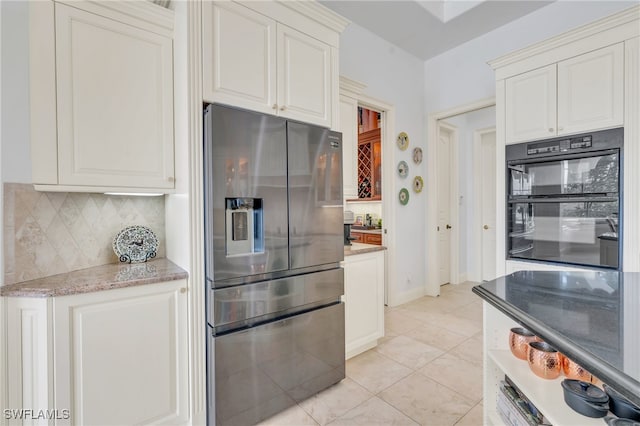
(396, 78)
(461, 75)
(467, 124)
(14, 133)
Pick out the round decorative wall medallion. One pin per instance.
(418, 184)
(417, 155)
(403, 169)
(403, 141)
(403, 196)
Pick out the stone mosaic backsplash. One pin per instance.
(48, 233)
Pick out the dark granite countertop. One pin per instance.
(591, 317)
(98, 278)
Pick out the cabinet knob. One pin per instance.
(274, 106)
(448, 226)
(171, 179)
(486, 227)
(282, 108)
(183, 290)
(550, 129)
(560, 129)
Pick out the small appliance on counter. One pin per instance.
(349, 219)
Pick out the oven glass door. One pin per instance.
(582, 231)
(587, 175)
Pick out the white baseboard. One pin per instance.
(408, 296)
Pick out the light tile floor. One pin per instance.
(427, 370)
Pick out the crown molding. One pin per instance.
(351, 87)
(318, 13)
(608, 23)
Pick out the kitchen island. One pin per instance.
(591, 317)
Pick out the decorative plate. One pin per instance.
(417, 155)
(135, 244)
(403, 196)
(403, 169)
(418, 183)
(403, 141)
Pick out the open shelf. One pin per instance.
(546, 395)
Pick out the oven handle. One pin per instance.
(563, 200)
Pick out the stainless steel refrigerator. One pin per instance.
(273, 246)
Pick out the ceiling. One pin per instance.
(428, 28)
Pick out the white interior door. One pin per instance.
(488, 204)
(444, 204)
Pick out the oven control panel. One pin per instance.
(563, 145)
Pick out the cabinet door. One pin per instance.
(349, 129)
(114, 101)
(364, 301)
(590, 91)
(304, 77)
(121, 355)
(531, 105)
(239, 57)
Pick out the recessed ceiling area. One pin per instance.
(427, 28)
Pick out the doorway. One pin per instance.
(454, 240)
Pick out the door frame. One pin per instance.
(387, 138)
(477, 204)
(432, 286)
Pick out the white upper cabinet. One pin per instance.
(576, 95)
(239, 57)
(531, 105)
(304, 77)
(590, 91)
(349, 129)
(253, 60)
(113, 101)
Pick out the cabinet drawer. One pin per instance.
(359, 237)
(373, 239)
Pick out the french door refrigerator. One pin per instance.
(273, 246)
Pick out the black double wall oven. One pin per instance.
(564, 200)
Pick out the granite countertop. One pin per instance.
(359, 248)
(98, 278)
(591, 317)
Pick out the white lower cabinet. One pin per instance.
(364, 301)
(108, 357)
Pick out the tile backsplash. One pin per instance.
(48, 233)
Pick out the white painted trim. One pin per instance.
(143, 14)
(608, 23)
(631, 171)
(476, 275)
(432, 287)
(388, 172)
(501, 245)
(406, 297)
(350, 87)
(197, 320)
(462, 278)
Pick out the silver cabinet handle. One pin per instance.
(486, 227)
(282, 108)
(275, 106)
